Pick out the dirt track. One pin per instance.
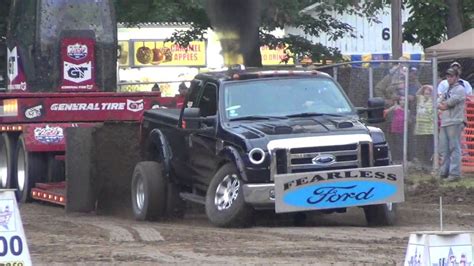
(54, 237)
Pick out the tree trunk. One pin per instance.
(454, 20)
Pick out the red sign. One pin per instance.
(80, 107)
(78, 64)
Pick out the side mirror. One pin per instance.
(192, 112)
(374, 110)
(193, 120)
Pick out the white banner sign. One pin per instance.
(13, 247)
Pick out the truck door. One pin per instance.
(202, 142)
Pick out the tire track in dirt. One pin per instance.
(118, 232)
(148, 234)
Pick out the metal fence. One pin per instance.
(410, 94)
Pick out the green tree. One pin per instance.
(431, 21)
(252, 21)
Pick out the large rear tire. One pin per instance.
(148, 191)
(225, 205)
(30, 168)
(381, 214)
(7, 145)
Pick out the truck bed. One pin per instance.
(163, 116)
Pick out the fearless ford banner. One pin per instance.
(339, 189)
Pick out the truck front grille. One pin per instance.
(298, 160)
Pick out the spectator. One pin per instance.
(424, 126)
(443, 85)
(183, 90)
(452, 125)
(396, 117)
(389, 86)
(155, 87)
(413, 86)
(413, 83)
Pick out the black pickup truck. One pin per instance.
(249, 140)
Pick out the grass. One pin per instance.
(416, 177)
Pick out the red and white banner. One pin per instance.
(78, 64)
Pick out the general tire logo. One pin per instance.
(77, 51)
(49, 135)
(77, 73)
(33, 112)
(135, 106)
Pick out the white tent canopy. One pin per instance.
(460, 46)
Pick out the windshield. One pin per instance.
(284, 97)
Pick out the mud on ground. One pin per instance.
(57, 238)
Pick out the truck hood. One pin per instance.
(298, 126)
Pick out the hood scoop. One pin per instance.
(283, 130)
(278, 129)
(343, 124)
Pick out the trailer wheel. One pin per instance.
(30, 168)
(7, 145)
(148, 191)
(381, 214)
(225, 205)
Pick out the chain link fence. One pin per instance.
(410, 113)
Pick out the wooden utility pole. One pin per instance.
(397, 40)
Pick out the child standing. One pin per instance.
(396, 117)
(424, 125)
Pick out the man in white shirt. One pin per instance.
(443, 85)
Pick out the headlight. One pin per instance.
(256, 156)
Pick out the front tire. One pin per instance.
(148, 191)
(225, 205)
(381, 214)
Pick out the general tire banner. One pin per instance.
(339, 188)
(78, 64)
(13, 247)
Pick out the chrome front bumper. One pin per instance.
(260, 196)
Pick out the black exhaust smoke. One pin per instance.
(236, 23)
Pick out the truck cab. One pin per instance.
(248, 140)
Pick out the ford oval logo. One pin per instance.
(324, 159)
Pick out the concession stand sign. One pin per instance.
(275, 56)
(160, 53)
